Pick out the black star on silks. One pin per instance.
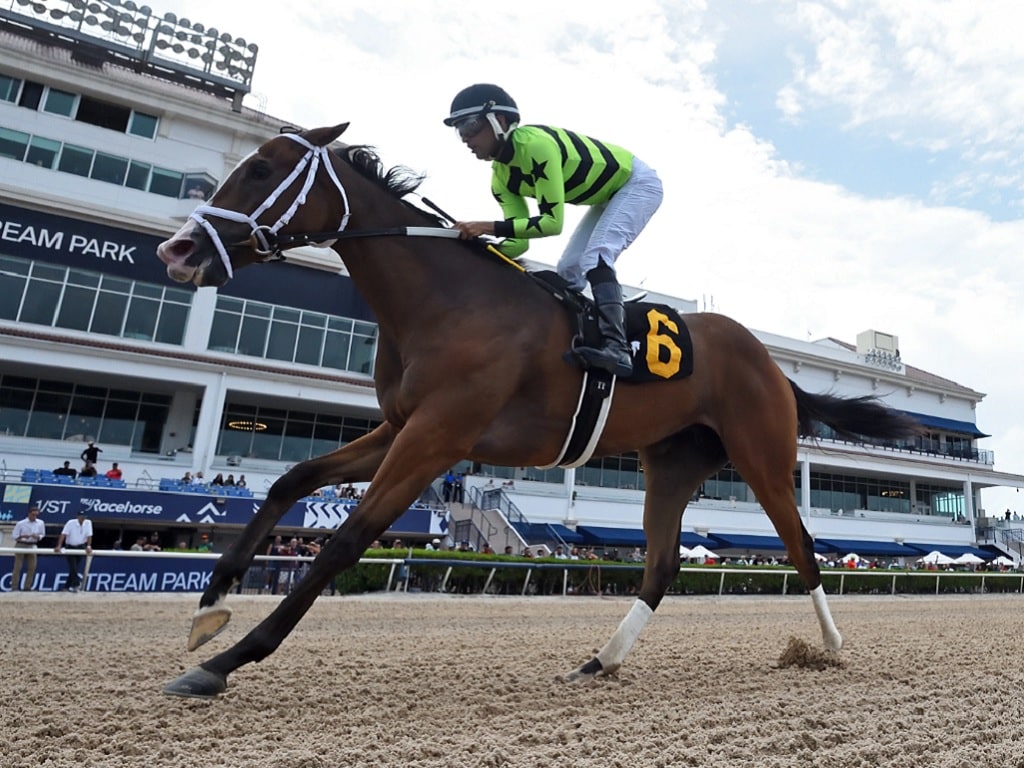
(516, 178)
(546, 207)
(533, 223)
(538, 171)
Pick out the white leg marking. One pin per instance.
(615, 650)
(833, 640)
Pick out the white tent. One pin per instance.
(852, 556)
(1003, 560)
(684, 552)
(701, 552)
(968, 558)
(936, 558)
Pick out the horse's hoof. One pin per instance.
(207, 623)
(197, 683)
(589, 670)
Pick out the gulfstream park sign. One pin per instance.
(59, 503)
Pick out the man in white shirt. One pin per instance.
(77, 534)
(27, 534)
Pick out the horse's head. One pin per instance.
(266, 191)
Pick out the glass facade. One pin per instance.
(292, 335)
(63, 410)
(77, 299)
(285, 435)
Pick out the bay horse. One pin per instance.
(470, 366)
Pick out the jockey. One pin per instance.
(554, 167)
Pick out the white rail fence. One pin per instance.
(401, 571)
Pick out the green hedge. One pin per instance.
(607, 577)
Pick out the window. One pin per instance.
(76, 160)
(142, 125)
(9, 88)
(42, 152)
(13, 144)
(109, 168)
(60, 102)
(102, 113)
(80, 300)
(82, 161)
(165, 182)
(31, 95)
(59, 410)
(138, 176)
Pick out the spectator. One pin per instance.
(139, 545)
(205, 545)
(241, 482)
(434, 545)
(196, 193)
(89, 470)
(230, 481)
(27, 534)
(187, 478)
(560, 554)
(218, 480)
(274, 549)
(67, 469)
(77, 534)
(114, 473)
(199, 479)
(91, 454)
(153, 545)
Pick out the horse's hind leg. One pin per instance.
(355, 462)
(765, 460)
(673, 469)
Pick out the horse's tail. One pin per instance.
(852, 418)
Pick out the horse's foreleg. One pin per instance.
(673, 470)
(414, 459)
(355, 462)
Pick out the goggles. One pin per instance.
(471, 126)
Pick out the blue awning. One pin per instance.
(950, 550)
(691, 540)
(566, 534)
(949, 425)
(622, 537)
(746, 541)
(542, 532)
(862, 547)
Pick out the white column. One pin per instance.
(208, 428)
(570, 491)
(805, 489)
(969, 501)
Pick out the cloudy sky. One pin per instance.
(829, 167)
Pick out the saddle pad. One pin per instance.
(661, 343)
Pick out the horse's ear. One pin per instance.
(321, 137)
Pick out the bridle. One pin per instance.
(266, 242)
(265, 236)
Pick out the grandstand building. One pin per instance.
(113, 123)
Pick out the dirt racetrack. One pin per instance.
(436, 680)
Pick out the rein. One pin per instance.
(264, 239)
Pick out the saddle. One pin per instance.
(657, 334)
(661, 347)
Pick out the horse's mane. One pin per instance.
(399, 181)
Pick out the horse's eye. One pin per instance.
(259, 170)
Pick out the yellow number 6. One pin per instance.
(656, 341)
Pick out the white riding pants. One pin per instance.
(606, 230)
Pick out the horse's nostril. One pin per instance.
(181, 248)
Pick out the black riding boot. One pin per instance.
(614, 355)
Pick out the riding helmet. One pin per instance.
(480, 99)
